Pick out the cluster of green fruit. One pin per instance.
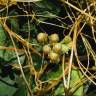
(52, 47)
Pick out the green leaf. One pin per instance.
(2, 39)
(14, 24)
(46, 9)
(25, 28)
(76, 76)
(54, 74)
(59, 91)
(2, 36)
(6, 90)
(22, 87)
(9, 54)
(38, 61)
(21, 91)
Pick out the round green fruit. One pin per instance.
(54, 38)
(67, 39)
(54, 57)
(46, 49)
(42, 37)
(65, 48)
(57, 48)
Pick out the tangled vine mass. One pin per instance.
(47, 47)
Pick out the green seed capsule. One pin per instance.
(65, 48)
(67, 39)
(57, 48)
(46, 49)
(42, 37)
(54, 38)
(54, 57)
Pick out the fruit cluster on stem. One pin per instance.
(52, 47)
